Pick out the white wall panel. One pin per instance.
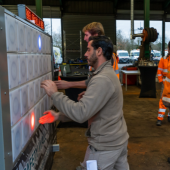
(44, 78)
(30, 67)
(44, 64)
(11, 33)
(49, 102)
(29, 39)
(36, 90)
(25, 129)
(49, 63)
(41, 89)
(37, 114)
(21, 37)
(24, 99)
(35, 41)
(50, 75)
(36, 66)
(22, 68)
(40, 65)
(46, 103)
(30, 94)
(13, 70)
(42, 107)
(15, 107)
(16, 140)
(47, 77)
(29, 63)
(43, 43)
(48, 45)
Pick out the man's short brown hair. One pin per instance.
(94, 28)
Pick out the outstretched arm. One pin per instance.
(61, 84)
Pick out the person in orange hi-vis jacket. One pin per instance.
(162, 73)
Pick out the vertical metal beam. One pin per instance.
(163, 36)
(5, 128)
(114, 31)
(146, 24)
(39, 8)
(132, 19)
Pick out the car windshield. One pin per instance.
(157, 54)
(123, 54)
(135, 53)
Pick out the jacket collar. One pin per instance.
(106, 63)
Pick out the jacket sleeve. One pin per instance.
(99, 91)
(160, 70)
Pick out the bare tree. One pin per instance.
(124, 43)
(57, 42)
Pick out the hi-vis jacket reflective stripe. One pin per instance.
(162, 68)
(166, 91)
(115, 64)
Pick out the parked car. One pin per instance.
(123, 56)
(156, 55)
(134, 55)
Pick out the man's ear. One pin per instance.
(99, 51)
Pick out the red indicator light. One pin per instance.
(32, 121)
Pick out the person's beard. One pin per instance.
(93, 60)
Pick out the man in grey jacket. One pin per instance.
(101, 105)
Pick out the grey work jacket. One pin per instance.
(102, 106)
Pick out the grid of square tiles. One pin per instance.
(26, 71)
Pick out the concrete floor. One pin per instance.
(149, 145)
